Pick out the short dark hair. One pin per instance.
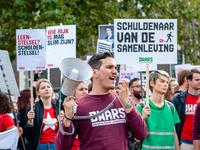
(95, 61)
(133, 80)
(181, 76)
(108, 27)
(5, 104)
(190, 74)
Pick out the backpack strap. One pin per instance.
(170, 105)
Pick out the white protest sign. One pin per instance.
(61, 43)
(195, 67)
(7, 76)
(31, 49)
(145, 41)
(128, 75)
(88, 57)
(140, 67)
(103, 46)
(9, 139)
(180, 67)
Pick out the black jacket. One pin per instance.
(179, 102)
(33, 134)
(21, 120)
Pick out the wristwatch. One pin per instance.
(130, 104)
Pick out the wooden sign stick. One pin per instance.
(147, 84)
(31, 72)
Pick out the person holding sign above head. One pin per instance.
(109, 130)
(160, 115)
(42, 123)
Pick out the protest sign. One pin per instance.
(61, 43)
(180, 67)
(7, 77)
(103, 46)
(106, 33)
(152, 41)
(140, 67)
(88, 57)
(31, 49)
(195, 67)
(128, 75)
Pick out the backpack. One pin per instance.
(1, 120)
(134, 145)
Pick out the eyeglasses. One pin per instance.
(137, 86)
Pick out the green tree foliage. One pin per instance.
(25, 14)
(186, 12)
(88, 14)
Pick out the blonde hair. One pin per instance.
(38, 86)
(153, 76)
(84, 83)
(168, 93)
(78, 85)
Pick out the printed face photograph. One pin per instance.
(105, 31)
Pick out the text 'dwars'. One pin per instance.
(113, 116)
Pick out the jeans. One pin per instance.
(47, 146)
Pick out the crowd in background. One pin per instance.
(173, 109)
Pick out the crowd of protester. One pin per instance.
(170, 119)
